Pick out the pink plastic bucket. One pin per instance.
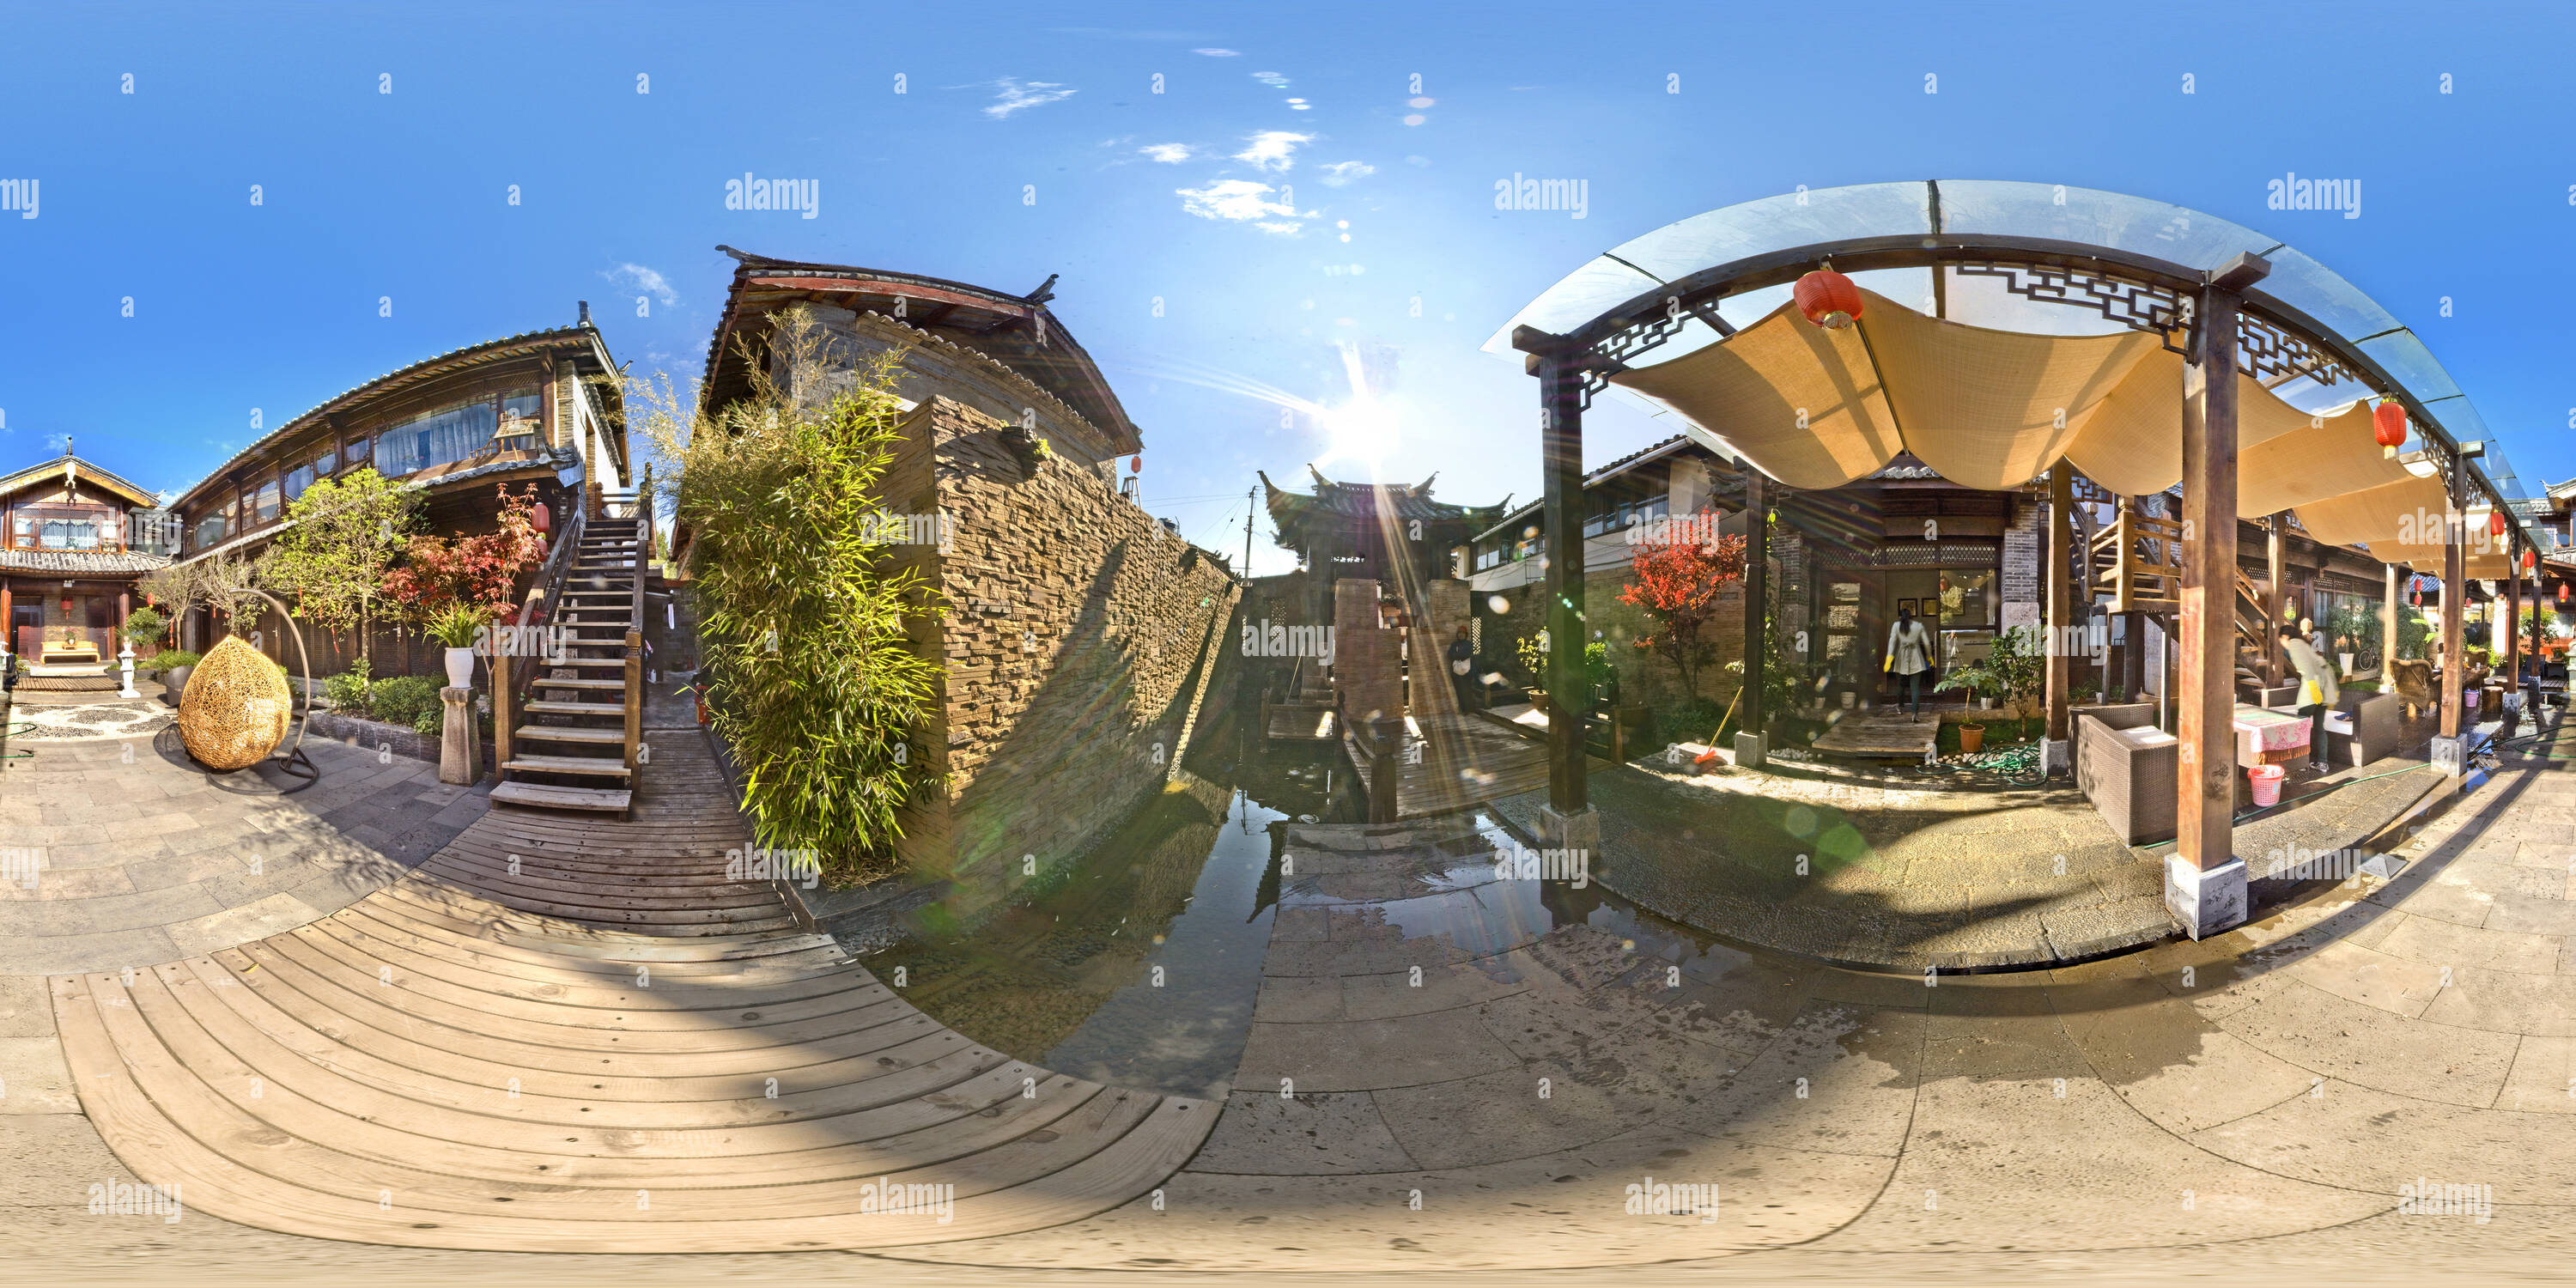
(2267, 783)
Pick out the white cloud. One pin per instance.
(63, 442)
(1342, 173)
(1014, 96)
(637, 277)
(1217, 53)
(1272, 79)
(1240, 201)
(1167, 153)
(1272, 150)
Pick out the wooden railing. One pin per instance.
(643, 512)
(509, 690)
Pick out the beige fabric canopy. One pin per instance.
(1817, 408)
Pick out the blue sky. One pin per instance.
(369, 195)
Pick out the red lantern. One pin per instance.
(541, 518)
(2562, 592)
(1135, 464)
(2496, 524)
(2389, 427)
(2529, 561)
(1828, 299)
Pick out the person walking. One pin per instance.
(1909, 658)
(1462, 665)
(2316, 693)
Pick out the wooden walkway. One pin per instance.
(567, 1035)
(1882, 732)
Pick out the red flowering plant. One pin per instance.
(1678, 582)
(479, 573)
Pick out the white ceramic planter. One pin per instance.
(460, 668)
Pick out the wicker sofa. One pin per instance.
(2362, 728)
(2126, 767)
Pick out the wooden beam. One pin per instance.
(2205, 801)
(2273, 587)
(1569, 696)
(2388, 629)
(1757, 599)
(2061, 624)
(2453, 600)
(2512, 613)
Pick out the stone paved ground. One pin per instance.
(2250, 1106)
(1889, 877)
(145, 858)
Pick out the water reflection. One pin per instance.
(1138, 966)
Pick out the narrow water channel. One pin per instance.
(1139, 965)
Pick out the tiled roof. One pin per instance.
(1290, 510)
(418, 370)
(79, 561)
(18, 479)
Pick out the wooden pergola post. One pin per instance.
(2388, 629)
(1754, 726)
(2513, 613)
(1568, 819)
(2204, 880)
(2061, 635)
(2454, 600)
(2274, 577)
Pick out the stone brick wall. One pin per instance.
(934, 367)
(1077, 628)
(1368, 666)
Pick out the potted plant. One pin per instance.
(1533, 654)
(2009, 672)
(456, 626)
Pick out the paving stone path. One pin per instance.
(139, 856)
(2254, 1102)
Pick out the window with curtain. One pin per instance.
(435, 439)
(359, 448)
(327, 464)
(210, 530)
(298, 479)
(263, 506)
(520, 419)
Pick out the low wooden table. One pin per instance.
(67, 654)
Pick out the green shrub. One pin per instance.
(404, 699)
(144, 625)
(431, 723)
(168, 658)
(815, 683)
(347, 691)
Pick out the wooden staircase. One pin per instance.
(578, 747)
(2136, 559)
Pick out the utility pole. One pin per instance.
(1248, 505)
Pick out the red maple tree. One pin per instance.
(1677, 583)
(480, 570)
